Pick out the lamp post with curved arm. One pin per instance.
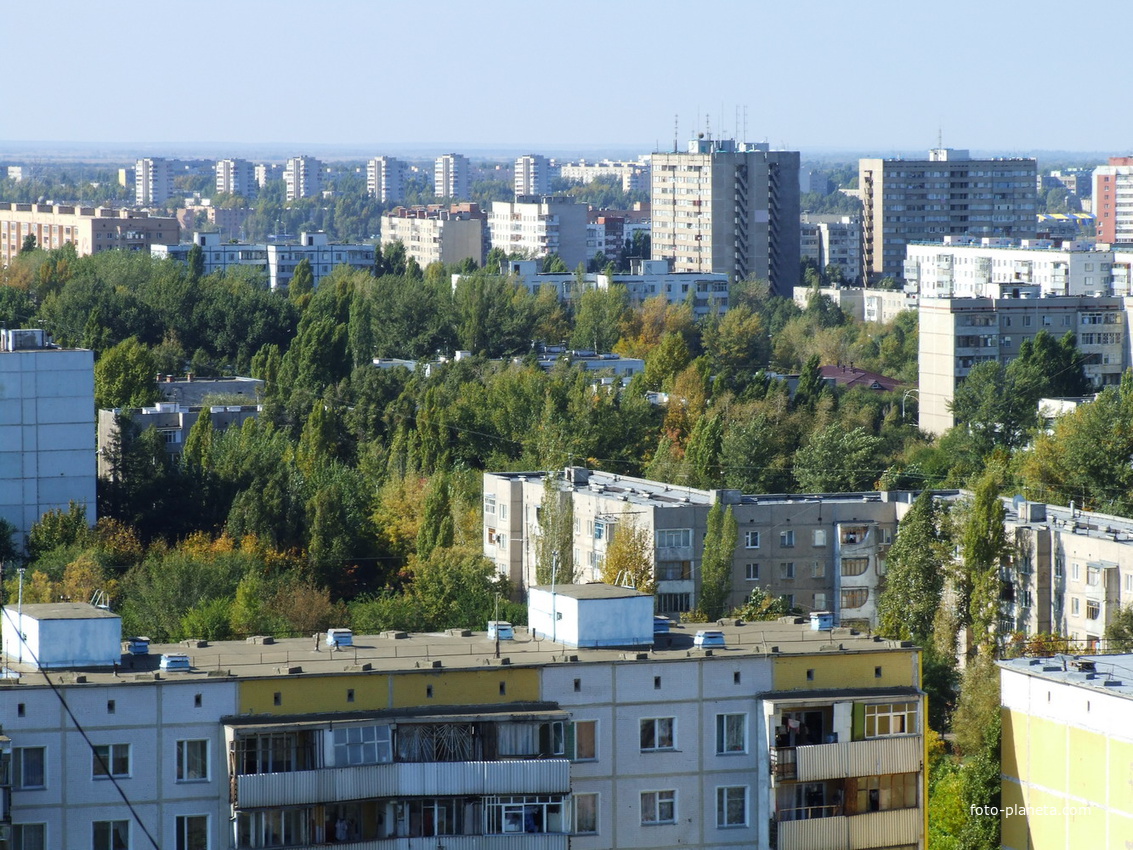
(917, 393)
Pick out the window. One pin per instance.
(854, 566)
(503, 510)
(658, 807)
(897, 718)
(674, 570)
(111, 835)
(670, 538)
(27, 768)
(731, 806)
(817, 569)
(752, 572)
(787, 570)
(1093, 609)
(820, 537)
(1075, 572)
(586, 814)
(192, 761)
(751, 539)
(362, 745)
(657, 733)
(855, 598)
(490, 504)
(524, 814)
(192, 832)
(29, 836)
(1059, 569)
(1093, 575)
(820, 602)
(675, 602)
(110, 760)
(731, 733)
(585, 740)
(1075, 606)
(787, 539)
(881, 793)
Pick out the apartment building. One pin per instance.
(385, 179)
(863, 304)
(235, 177)
(153, 181)
(532, 175)
(451, 176)
(790, 736)
(303, 176)
(992, 268)
(537, 225)
(1066, 752)
(1113, 201)
(47, 451)
(947, 194)
(833, 240)
(266, 171)
(957, 333)
(438, 233)
(89, 229)
(634, 176)
(728, 207)
(824, 552)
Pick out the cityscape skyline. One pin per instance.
(348, 96)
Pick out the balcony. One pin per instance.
(421, 779)
(859, 758)
(854, 832)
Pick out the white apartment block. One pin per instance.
(532, 175)
(634, 176)
(153, 182)
(833, 240)
(537, 225)
(991, 268)
(47, 449)
(437, 234)
(303, 176)
(948, 194)
(728, 207)
(451, 176)
(89, 229)
(385, 179)
(957, 333)
(862, 304)
(266, 171)
(235, 177)
(790, 734)
(824, 552)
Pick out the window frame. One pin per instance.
(114, 832)
(751, 539)
(723, 795)
(19, 768)
(108, 766)
(182, 760)
(577, 811)
(908, 712)
(655, 724)
(651, 807)
(21, 842)
(574, 750)
(723, 721)
(787, 539)
(751, 572)
(182, 837)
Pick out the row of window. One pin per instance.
(849, 567)
(29, 771)
(191, 832)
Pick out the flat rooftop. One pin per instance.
(60, 611)
(1111, 674)
(393, 652)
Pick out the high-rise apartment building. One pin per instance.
(235, 177)
(438, 234)
(153, 182)
(451, 176)
(536, 226)
(948, 194)
(385, 179)
(723, 206)
(1113, 200)
(532, 175)
(834, 240)
(303, 176)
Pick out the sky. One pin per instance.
(879, 77)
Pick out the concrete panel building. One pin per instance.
(385, 179)
(153, 181)
(633, 176)
(728, 207)
(538, 225)
(236, 177)
(89, 229)
(303, 176)
(438, 234)
(948, 194)
(47, 450)
(833, 240)
(451, 176)
(532, 175)
(1113, 201)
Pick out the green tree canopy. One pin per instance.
(125, 376)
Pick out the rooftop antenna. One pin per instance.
(940, 138)
(745, 121)
(708, 126)
(676, 130)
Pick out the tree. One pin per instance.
(9, 549)
(629, 555)
(302, 285)
(983, 546)
(998, 405)
(555, 542)
(436, 524)
(601, 313)
(837, 461)
(28, 244)
(125, 376)
(716, 563)
(914, 575)
(762, 607)
(58, 528)
(1119, 631)
(196, 263)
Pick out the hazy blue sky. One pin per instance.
(875, 75)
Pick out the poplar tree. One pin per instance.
(716, 563)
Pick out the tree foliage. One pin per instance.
(716, 563)
(914, 575)
(629, 556)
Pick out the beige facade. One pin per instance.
(958, 333)
(532, 175)
(728, 207)
(537, 225)
(89, 229)
(865, 305)
(437, 234)
(451, 176)
(303, 176)
(235, 177)
(385, 179)
(153, 182)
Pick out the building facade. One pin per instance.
(385, 179)
(833, 240)
(153, 182)
(957, 333)
(633, 176)
(788, 737)
(532, 175)
(451, 176)
(438, 234)
(303, 176)
(948, 194)
(47, 450)
(236, 177)
(863, 304)
(1113, 201)
(538, 225)
(89, 229)
(728, 207)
